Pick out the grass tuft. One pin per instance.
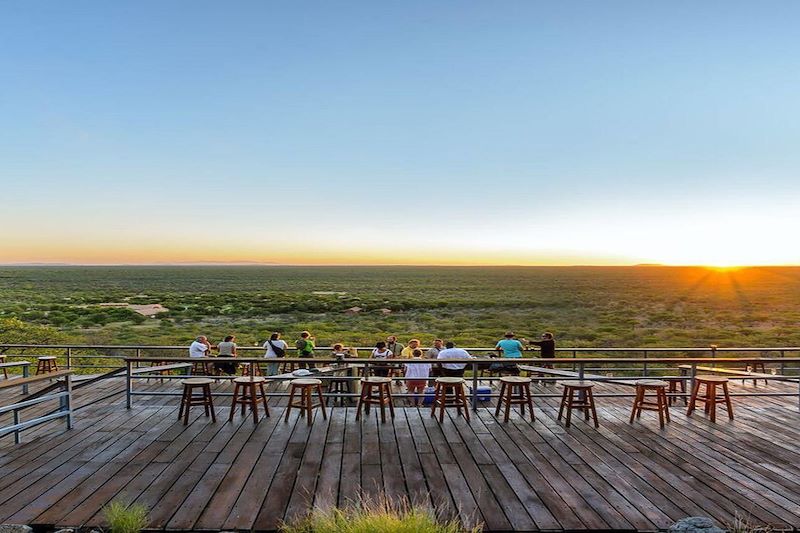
(125, 518)
(376, 515)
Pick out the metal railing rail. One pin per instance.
(63, 411)
(474, 365)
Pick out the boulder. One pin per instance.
(13, 528)
(695, 524)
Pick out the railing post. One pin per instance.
(644, 367)
(25, 373)
(68, 399)
(16, 422)
(574, 355)
(69, 358)
(128, 384)
(474, 386)
(783, 365)
(138, 355)
(713, 354)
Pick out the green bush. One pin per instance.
(380, 515)
(125, 518)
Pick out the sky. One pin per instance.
(400, 132)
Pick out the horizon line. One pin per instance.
(273, 264)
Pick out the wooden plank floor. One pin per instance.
(519, 475)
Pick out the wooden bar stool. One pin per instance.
(200, 368)
(757, 367)
(514, 390)
(46, 364)
(339, 386)
(710, 397)
(189, 398)
(247, 366)
(449, 392)
(246, 392)
(585, 400)
(306, 386)
(641, 403)
(375, 391)
(674, 383)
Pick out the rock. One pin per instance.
(12, 528)
(696, 524)
(65, 530)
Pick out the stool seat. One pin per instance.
(651, 383)
(514, 390)
(305, 382)
(515, 379)
(711, 379)
(577, 384)
(47, 358)
(378, 380)
(450, 380)
(197, 381)
(584, 401)
(246, 379)
(305, 386)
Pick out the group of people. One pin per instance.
(417, 375)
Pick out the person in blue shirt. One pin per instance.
(508, 347)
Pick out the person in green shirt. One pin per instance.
(305, 348)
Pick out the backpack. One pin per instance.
(302, 345)
(280, 352)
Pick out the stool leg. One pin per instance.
(570, 401)
(693, 398)
(210, 400)
(661, 407)
(307, 402)
(728, 405)
(183, 403)
(563, 403)
(500, 399)
(322, 402)
(635, 404)
(666, 406)
(254, 402)
(530, 401)
(364, 388)
(509, 396)
(590, 397)
(264, 398)
(291, 400)
(233, 403)
(464, 402)
(712, 401)
(436, 390)
(188, 394)
(390, 399)
(382, 400)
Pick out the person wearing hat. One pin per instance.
(508, 347)
(305, 348)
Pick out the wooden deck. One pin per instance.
(508, 476)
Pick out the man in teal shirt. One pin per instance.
(508, 347)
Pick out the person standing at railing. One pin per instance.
(383, 353)
(417, 375)
(227, 348)
(200, 347)
(547, 349)
(433, 353)
(305, 348)
(453, 370)
(275, 348)
(510, 348)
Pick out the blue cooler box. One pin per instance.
(428, 399)
(483, 393)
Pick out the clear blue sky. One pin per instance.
(507, 132)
